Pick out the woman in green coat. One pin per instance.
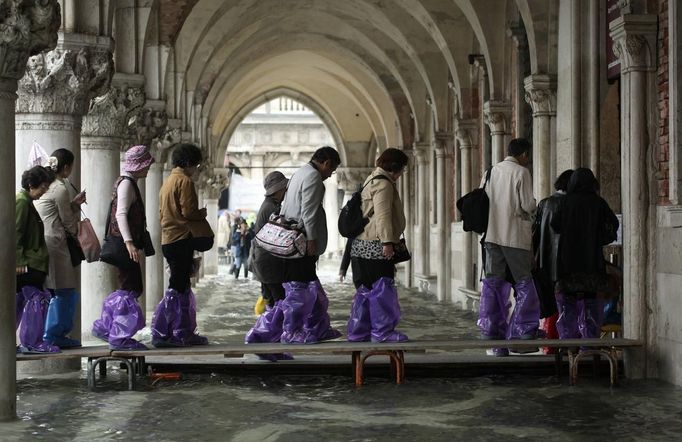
(32, 261)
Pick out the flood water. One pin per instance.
(273, 407)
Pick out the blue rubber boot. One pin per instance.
(59, 322)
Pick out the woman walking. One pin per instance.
(184, 229)
(586, 223)
(122, 316)
(32, 263)
(59, 209)
(375, 311)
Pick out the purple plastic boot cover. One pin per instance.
(127, 319)
(316, 327)
(567, 322)
(33, 321)
(359, 324)
(384, 311)
(525, 319)
(268, 327)
(494, 305)
(296, 306)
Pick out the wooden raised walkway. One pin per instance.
(359, 351)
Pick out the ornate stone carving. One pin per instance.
(496, 116)
(466, 133)
(63, 81)
(145, 125)
(162, 145)
(351, 178)
(634, 41)
(444, 144)
(27, 27)
(542, 101)
(212, 181)
(108, 114)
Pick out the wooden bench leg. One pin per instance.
(574, 359)
(397, 360)
(94, 362)
(358, 363)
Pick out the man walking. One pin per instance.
(508, 247)
(305, 304)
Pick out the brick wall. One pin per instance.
(663, 106)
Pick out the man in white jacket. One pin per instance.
(508, 249)
(305, 304)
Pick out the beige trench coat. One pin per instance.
(59, 216)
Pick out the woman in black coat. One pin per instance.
(586, 223)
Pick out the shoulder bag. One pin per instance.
(282, 238)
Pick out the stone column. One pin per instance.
(497, 115)
(331, 208)
(154, 265)
(466, 135)
(541, 95)
(257, 162)
(406, 185)
(444, 146)
(54, 95)
(422, 237)
(147, 126)
(104, 128)
(634, 38)
(212, 185)
(28, 28)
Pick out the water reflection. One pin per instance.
(277, 407)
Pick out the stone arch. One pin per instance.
(326, 117)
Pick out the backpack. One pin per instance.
(474, 207)
(351, 221)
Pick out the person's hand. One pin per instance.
(21, 270)
(342, 276)
(203, 212)
(132, 251)
(79, 199)
(311, 247)
(388, 251)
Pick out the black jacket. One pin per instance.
(268, 269)
(545, 239)
(586, 224)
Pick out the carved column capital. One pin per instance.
(109, 113)
(146, 125)
(65, 79)
(467, 133)
(350, 179)
(212, 182)
(163, 144)
(444, 144)
(27, 27)
(634, 41)
(497, 116)
(541, 94)
(421, 152)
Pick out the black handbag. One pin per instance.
(148, 245)
(400, 252)
(75, 250)
(114, 251)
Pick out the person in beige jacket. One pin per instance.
(59, 208)
(184, 229)
(508, 244)
(375, 311)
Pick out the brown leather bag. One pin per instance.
(87, 238)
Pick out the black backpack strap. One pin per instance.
(487, 176)
(382, 177)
